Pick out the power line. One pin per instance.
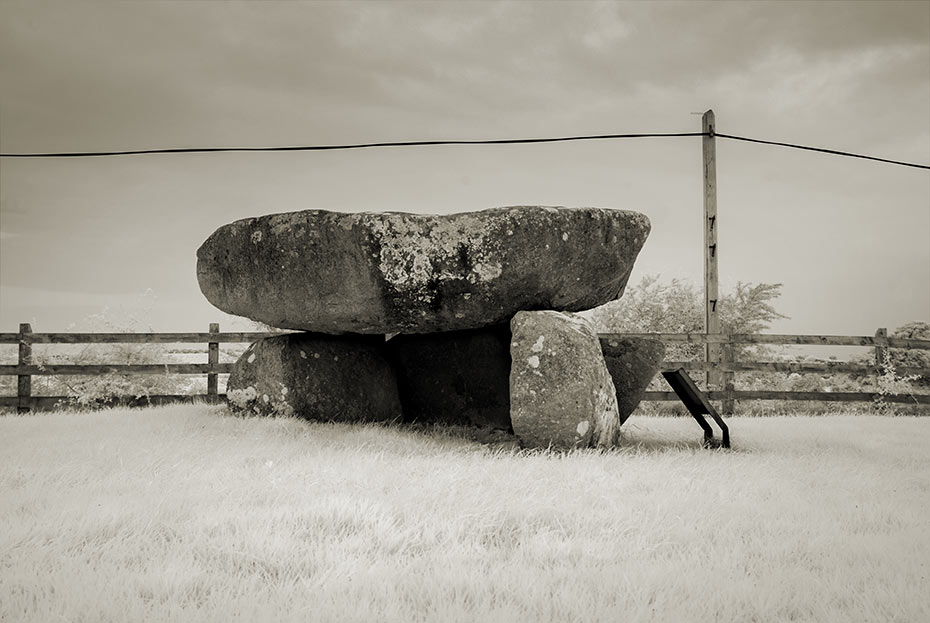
(506, 141)
(820, 149)
(193, 150)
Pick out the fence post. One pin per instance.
(24, 381)
(213, 358)
(880, 335)
(728, 403)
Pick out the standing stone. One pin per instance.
(561, 394)
(455, 377)
(316, 376)
(394, 272)
(632, 363)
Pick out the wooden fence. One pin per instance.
(25, 369)
(726, 393)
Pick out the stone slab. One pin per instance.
(393, 272)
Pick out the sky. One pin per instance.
(116, 238)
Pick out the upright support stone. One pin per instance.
(339, 378)
(632, 363)
(24, 381)
(561, 393)
(455, 377)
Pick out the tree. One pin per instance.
(749, 309)
(653, 306)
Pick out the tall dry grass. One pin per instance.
(187, 514)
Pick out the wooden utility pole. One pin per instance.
(711, 315)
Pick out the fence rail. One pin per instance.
(779, 339)
(789, 367)
(723, 395)
(25, 369)
(728, 394)
(132, 338)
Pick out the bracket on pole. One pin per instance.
(698, 406)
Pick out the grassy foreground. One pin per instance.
(187, 514)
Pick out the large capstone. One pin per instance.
(410, 273)
(316, 376)
(561, 395)
(455, 377)
(632, 363)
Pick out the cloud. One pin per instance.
(101, 75)
(851, 75)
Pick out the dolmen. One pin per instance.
(465, 318)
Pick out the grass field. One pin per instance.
(187, 514)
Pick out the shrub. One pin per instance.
(890, 383)
(911, 358)
(108, 389)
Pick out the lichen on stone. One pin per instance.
(413, 252)
(242, 399)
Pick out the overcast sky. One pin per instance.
(849, 239)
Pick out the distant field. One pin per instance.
(184, 513)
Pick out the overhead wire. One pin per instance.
(192, 150)
(506, 141)
(823, 150)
